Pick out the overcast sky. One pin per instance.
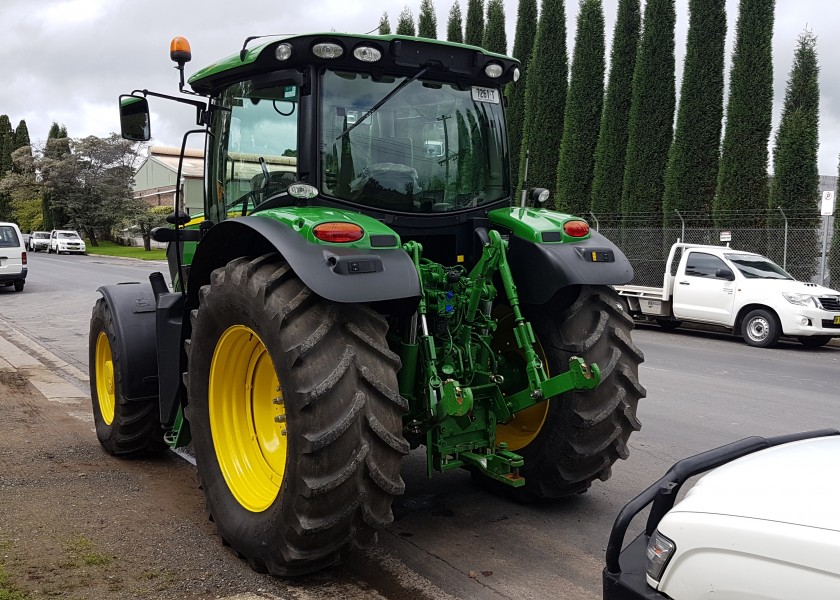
(68, 60)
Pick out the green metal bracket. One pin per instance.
(580, 376)
(179, 436)
(502, 465)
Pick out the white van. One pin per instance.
(13, 267)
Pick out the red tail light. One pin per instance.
(576, 228)
(338, 232)
(23, 257)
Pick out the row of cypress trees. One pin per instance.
(617, 152)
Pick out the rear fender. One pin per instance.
(340, 274)
(541, 267)
(132, 308)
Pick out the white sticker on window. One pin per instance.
(483, 94)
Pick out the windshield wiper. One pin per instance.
(379, 104)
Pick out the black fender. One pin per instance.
(340, 274)
(133, 310)
(540, 270)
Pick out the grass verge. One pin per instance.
(111, 249)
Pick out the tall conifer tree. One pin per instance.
(455, 24)
(495, 39)
(7, 140)
(384, 24)
(834, 255)
(545, 98)
(57, 147)
(405, 24)
(523, 45)
(651, 113)
(583, 112)
(796, 177)
(474, 34)
(427, 21)
(691, 179)
(611, 151)
(742, 178)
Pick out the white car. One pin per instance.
(13, 267)
(39, 240)
(62, 240)
(764, 526)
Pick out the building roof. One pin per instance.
(169, 157)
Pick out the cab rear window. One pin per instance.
(8, 237)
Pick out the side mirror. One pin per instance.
(134, 118)
(725, 273)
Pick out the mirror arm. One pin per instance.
(202, 115)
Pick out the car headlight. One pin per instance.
(800, 299)
(659, 551)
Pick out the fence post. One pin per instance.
(594, 218)
(784, 252)
(682, 230)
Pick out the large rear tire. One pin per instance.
(126, 428)
(581, 433)
(295, 418)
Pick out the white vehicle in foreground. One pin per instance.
(66, 241)
(746, 292)
(764, 525)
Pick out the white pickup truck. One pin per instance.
(743, 291)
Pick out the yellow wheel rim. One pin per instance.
(104, 364)
(247, 418)
(526, 424)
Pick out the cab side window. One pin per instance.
(700, 264)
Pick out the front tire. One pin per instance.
(126, 428)
(583, 432)
(295, 418)
(761, 329)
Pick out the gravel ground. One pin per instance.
(77, 523)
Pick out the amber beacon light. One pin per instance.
(179, 50)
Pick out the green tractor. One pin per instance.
(363, 281)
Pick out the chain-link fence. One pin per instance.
(794, 245)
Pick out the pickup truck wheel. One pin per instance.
(814, 341)
(760, 328)
(125, 428)
(295, 416)
(574, 439)
(19, 285)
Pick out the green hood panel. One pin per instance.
(531, 223)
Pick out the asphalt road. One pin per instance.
(704, 390)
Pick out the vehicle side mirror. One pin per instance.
(134, 118)
(725, 273)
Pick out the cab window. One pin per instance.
(700, 264)
(254, 150)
